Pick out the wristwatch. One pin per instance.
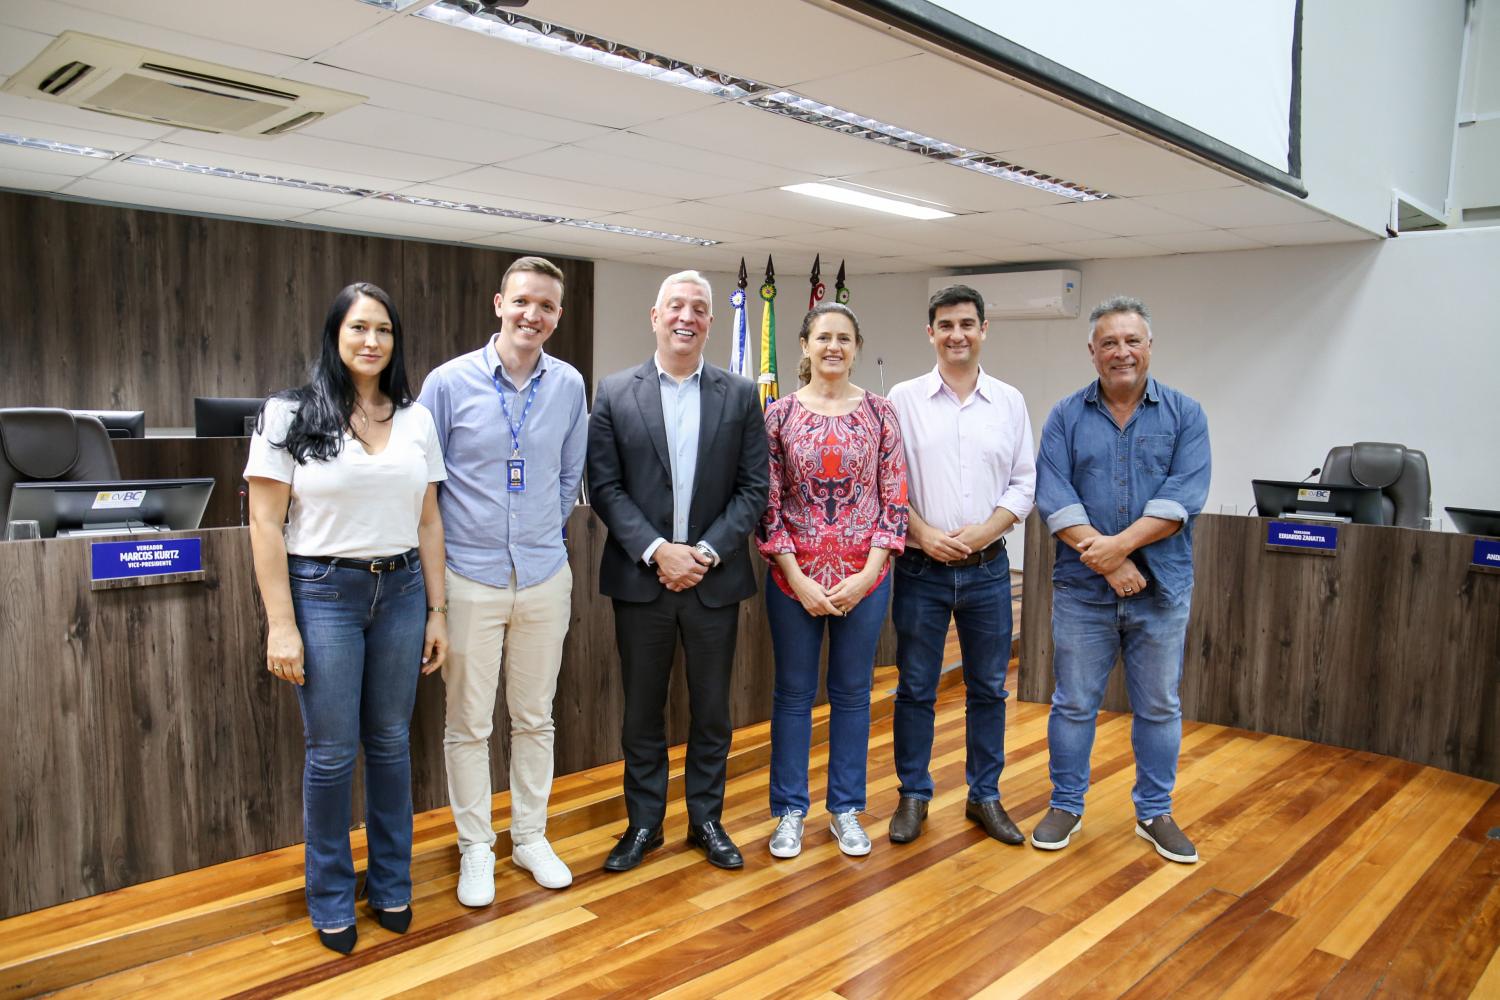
(708, 553)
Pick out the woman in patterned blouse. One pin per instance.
(837, 513)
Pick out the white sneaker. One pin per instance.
(543, 863)
(476, 876)
(851, 836)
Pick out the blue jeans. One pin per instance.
(977, 600)
(1086, 640)
(797, 639)
(362, 638)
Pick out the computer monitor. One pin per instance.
(160, 504)
(119, 423)
(1472, 521)
(225, 416)
(1324, 501)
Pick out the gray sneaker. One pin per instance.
(786, 842)
(1055, 830)
(1168, 839)
(850, 835)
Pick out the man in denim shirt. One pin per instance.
(1122, 473)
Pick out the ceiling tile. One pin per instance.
(953, 258)
(467, 112)
(77, 136)
(868, 244)
(335, 157)
(384, 226)
(625, 173)
(510, 184)
(539, 241)
(773, 41)
(1202, 241)
(954, 187)
(703, 214)
(49, 17)
(829, 214)
(885, 265)
(1107, 249)
(204, 189)
(1120, 165)
(1031, 254)
(938, 234)
(261, 25)
(78, 121)
(1326, 231)
(42, 161)
(1023, 227)
(389, 129)
(1231, 208)
(759, 135)
(954, 102)
(672, 154)
(641, 220)
(210, 202)
(31, 180)
(455, 61)
(493, 200)
(208, 157)
(375, 211)
(18, 47)
(1119, 217)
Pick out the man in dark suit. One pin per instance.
(677, 470)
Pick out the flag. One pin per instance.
(816, 295)
(840, 292)
(770, 389)
(741, 354)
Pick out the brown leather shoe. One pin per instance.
(906, 821)
(996, 822)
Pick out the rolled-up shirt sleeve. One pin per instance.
(1183, 493)
(1056, 499)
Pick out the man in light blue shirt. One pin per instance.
(1122, 474)
(513, 424)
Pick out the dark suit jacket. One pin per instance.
(630, 481)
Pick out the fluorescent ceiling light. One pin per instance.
(864, 199)
(522, 30)
(556, 220)
(248, 175)
(52, 146)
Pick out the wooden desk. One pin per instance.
(1391, 646)
(222, 459)
(146, 737)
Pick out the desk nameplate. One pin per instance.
(1302, 537)
(1486, 557)
(145, 563)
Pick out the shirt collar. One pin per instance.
(493, 366)
(661, 372)
(1153, 394)
(935, 384)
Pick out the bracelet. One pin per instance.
(441, 609)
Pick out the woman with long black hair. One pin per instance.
(348, 548)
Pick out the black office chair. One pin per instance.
(40, 444)
(1398, 471)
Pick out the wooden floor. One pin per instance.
(1325, 872)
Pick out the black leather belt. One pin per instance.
(388, 564)
(984, 555)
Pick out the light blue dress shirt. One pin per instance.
(681, 411)
(490, 531)
(1091, 471)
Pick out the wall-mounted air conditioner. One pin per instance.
(1052, 294)
(119, 79)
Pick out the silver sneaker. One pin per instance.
(850, 835)
(786, 842)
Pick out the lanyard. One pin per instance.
(515, 427)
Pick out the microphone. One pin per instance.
(880, 366)
(242, 495)
(1311, 474)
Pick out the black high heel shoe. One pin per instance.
(339, 941)
(393, 920)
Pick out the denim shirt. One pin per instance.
(1091, 471)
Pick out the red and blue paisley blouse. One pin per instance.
(838, 488)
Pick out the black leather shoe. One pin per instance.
(716, 844)
(907, 820)
(633, 845)
(994, 819)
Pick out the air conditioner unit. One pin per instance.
(126, 80)
(1052, 294)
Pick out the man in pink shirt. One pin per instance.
(971, 478)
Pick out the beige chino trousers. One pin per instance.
(523, 628)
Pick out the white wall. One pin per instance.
(1477, 180)
(1379, 90)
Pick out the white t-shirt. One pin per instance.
(357, 505)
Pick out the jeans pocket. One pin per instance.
(912, 567)
(301, 570)
(412, 579)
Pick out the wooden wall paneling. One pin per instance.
(116, 308)
(223, 459)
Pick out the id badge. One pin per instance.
(515, 475)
